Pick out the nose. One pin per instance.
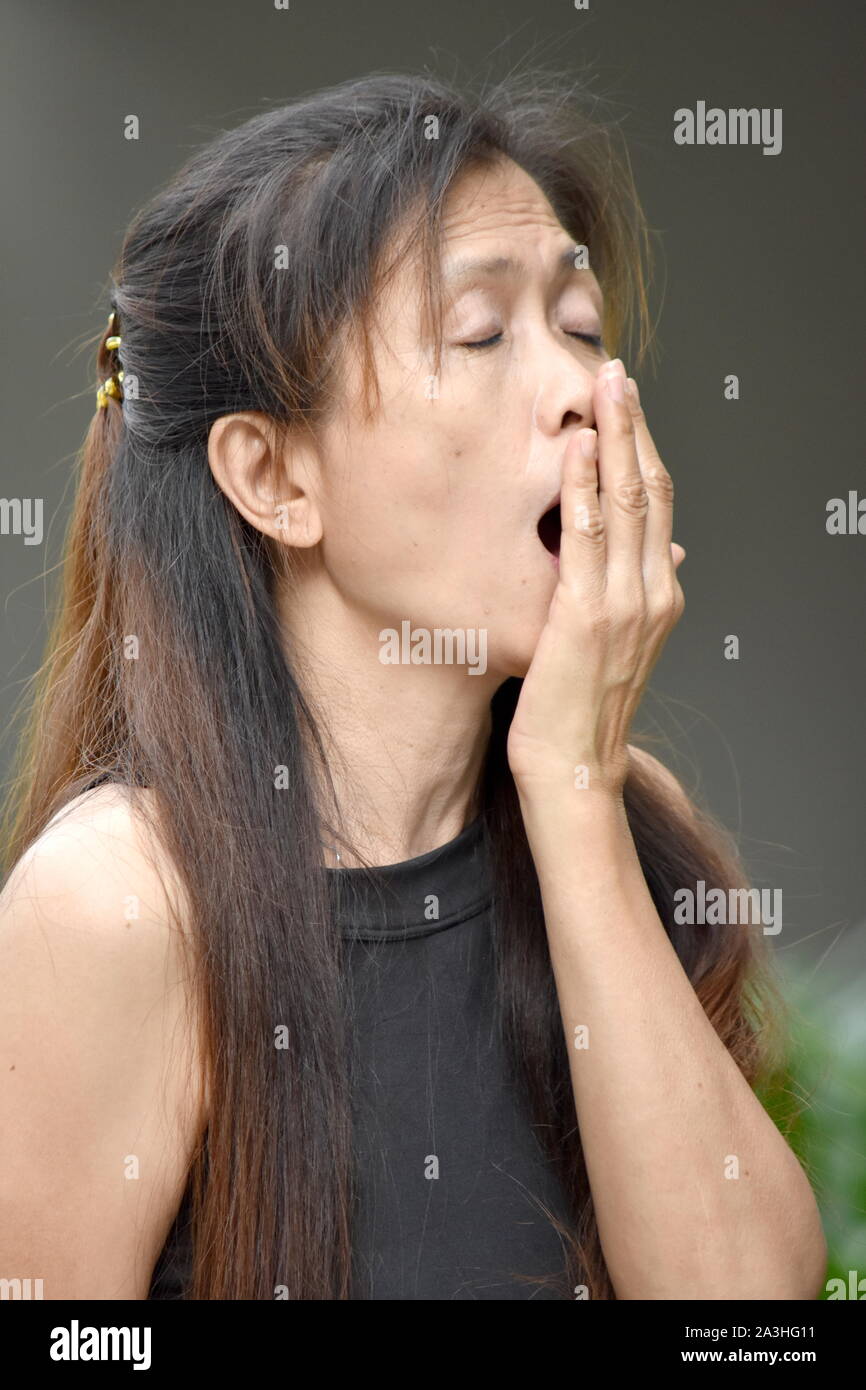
(565, 395)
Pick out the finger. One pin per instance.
(659, 557)
(583, 548)
(624, 499)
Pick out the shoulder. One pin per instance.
(95, 889)
(101, 835)
(99, 1068)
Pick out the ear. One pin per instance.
(272, 486)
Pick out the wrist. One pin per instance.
(555, 808)
(569, 788)
(585, 768)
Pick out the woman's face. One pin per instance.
(429, 511)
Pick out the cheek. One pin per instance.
(388, 513)
(420, 510)
(407, 476)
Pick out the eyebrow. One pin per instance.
(458, 275)
(458, 272)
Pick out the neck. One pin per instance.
(404, 743)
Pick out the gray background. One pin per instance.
(759, 273)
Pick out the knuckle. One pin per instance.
(589, 522)
(659, 481)
(632, 497)
(668, 607)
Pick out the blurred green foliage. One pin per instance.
(824, 1080)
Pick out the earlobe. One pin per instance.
(269, 487)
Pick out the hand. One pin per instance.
(616, 601)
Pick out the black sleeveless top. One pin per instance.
(452, 1181)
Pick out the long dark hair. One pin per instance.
(236, 288)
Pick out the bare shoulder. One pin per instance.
(100, 840)
(100, 1096)
(98, 897)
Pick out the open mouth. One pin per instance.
(550, 530)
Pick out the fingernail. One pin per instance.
(588, 444)
(616, 385)
(631, 387)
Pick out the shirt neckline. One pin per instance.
(418, 897)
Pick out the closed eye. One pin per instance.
(594, 339)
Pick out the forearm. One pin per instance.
(696, 1193)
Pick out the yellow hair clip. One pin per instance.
(111, 386)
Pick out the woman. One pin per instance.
(340, 950)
